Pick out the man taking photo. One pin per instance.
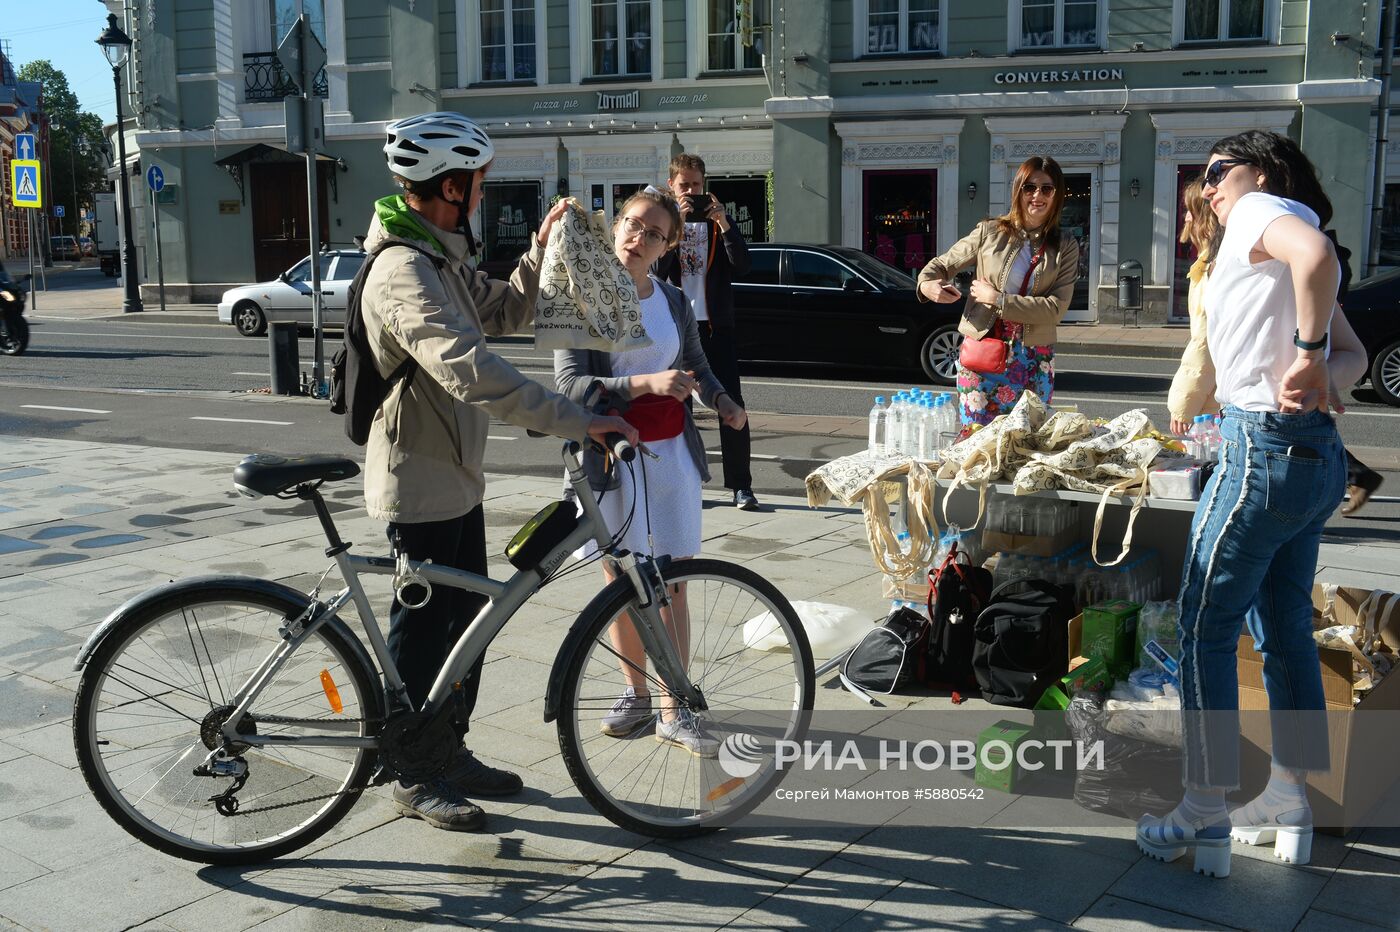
(711, 252)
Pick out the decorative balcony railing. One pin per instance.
(265, 80)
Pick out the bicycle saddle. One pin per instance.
(268, 474)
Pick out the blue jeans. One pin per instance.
(1251, 560)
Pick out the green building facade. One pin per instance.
(891, 125)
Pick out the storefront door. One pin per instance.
(1080, 219)
(1183, 254)
(609, 196)
(746, 202)
(897, 225)
(280, 235)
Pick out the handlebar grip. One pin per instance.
(621, 448)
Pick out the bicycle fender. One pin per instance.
(574, 640)
(248, 584)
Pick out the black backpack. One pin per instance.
(958, 591)
(1022, 642)
(890, 657)
(357, 389)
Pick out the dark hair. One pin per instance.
(431, 188)
(1344, 260)
(1014, 220)
(1287, 171)
(686, 162)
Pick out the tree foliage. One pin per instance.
(75, 142)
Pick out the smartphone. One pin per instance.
(952, 289)
(697, 204)
(1302, 453)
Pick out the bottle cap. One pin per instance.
(879, 399)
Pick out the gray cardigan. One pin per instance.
(576, 370)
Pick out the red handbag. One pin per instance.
(987, 355)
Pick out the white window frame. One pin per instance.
(469, 44)
(581, 42)
(1013, 29)
(860, 24)
(698, 41)
(1272, 22)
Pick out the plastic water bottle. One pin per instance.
(913, 424)
(1195, 438)
(928, 432)
(1214, 439)
(894, 426)
(879, 416)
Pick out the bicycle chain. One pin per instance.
(287, 720)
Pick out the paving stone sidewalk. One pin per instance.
(83, 526)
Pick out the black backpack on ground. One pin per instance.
(958, 591)
(890, 657)
(1022, 642)
(357, 389)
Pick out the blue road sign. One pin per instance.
(25, 147)
(155, 178)
(58, 210)
(25, 190)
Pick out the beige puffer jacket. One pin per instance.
(423, 461)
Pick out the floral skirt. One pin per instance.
(983, 397)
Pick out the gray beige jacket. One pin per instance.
(576, 370)
(423, 459)
(991, 250)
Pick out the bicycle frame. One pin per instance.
(505, 599)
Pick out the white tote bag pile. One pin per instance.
(587, 299)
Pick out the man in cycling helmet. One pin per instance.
(423, 299)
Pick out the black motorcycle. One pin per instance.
(14, 329)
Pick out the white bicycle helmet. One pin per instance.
(422, 147)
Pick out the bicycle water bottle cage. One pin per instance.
(538, 537)
(404, 577)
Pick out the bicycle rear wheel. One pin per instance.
(157, 690)
(755, 697)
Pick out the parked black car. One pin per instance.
(836, 304)
(1373, 308)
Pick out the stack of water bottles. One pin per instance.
(918, 583)
(1203, 438)
(1028, 516)
(1136, 579)
(916, 423)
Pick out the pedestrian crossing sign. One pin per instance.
(25, 187)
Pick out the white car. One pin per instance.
(250, 307)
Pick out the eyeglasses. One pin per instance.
(1218, 170)
(633, 228)
(1046, 190)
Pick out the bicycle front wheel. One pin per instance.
(675, 770)
(156, 692)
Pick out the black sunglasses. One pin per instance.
(1218, 170)
(1046, 190)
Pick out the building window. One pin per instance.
(1065, 24)
(621, 37)
(899, 212)
(507, 40)
(903, 26)
(1221, 20)
(737, 34)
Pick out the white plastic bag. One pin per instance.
(830, 628)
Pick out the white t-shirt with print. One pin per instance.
(695, 255)
(1251, 308)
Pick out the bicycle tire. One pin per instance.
(357, 690)
(583, 750)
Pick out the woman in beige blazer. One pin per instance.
(1193, 386)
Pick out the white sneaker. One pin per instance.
(684, 731)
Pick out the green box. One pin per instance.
(1110, 633)
(1005, 778)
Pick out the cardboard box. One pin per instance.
(1365, 752)
(1008, 777)
(1180, 481)
(1109, 631)
(1091, 674)
(997, 541)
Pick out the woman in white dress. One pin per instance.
(654, 382)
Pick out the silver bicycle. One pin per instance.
(230, 720)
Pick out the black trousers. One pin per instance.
(420, 638)
(720, 351)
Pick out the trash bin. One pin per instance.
(282, 358)
(1130, 289)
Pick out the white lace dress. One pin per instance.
(672, 483)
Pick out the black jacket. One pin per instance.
(722, 265)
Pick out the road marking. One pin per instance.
(256, 375)
(57, 408)
(240, 420)
(499, 437)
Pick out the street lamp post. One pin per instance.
(116, 45)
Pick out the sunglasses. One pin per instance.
(1046, 190)
(632, 228)
(1218, 170)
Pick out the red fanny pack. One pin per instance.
(656, 417)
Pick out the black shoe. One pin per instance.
(744, 500)
(470, 776)
(439, 804)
